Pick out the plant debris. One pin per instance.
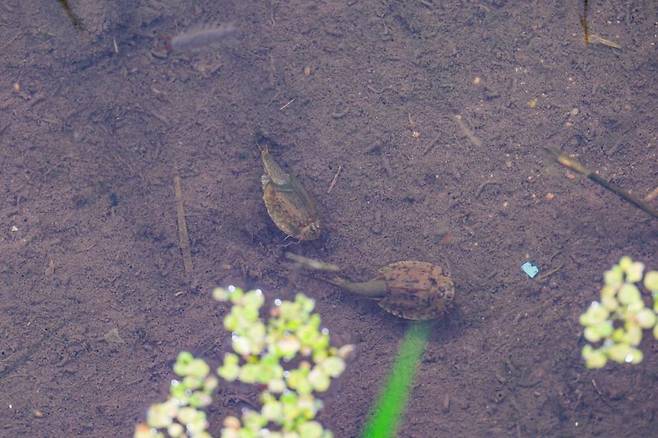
(574, 165)
(200, 37)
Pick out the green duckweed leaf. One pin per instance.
(595, 314)
(646, 318)
(334, 366)
(161, 415)
(624, 353)
(629, 294)
(318, 379)
(614, 277)
(593, 358)
(651, 281)
(311, 429)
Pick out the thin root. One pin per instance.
(335, 178)
(597, 39)
(183, 237)
(433, 143)
(305, 262)
(547, 274)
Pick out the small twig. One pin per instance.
(272, 73)
(87, 248)
(547, 274)
(412, 122)
(201, 36)
(153, 114)
(550, 259)
(592, 37)
(583, 22)
(305, 262)
(335, 178)
(433, 143)
(286, 105)
(183, 237)
(376, 91)
(37, 100)
(574, 165)
(50, 269)
(133, 382)
(597, 39)
(237, 399)
(467, 131)
(598, 391)
(596, 388)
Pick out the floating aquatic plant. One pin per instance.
(616, 322)
(263, 351)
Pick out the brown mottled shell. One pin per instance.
(292, 209)
(416, 290)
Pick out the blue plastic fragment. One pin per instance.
(530, 269)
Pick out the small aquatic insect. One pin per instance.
(408, 289)
(290, 206)
(200, 37)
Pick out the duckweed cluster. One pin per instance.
(614, 325)
(289, 355)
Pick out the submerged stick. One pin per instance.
(467, 131)
(200, 37)
(335, 179)
(429, 148)
(183, 237)
(592, 38)
(305, 262)
(597, 39)
(574, 165)
(583, 22)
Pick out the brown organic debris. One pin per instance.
(113, 337)
(335, 179)
(308, 263)
(574, 165)
(200, 37)
(183, 237)
(467, 131)
(597, 39)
